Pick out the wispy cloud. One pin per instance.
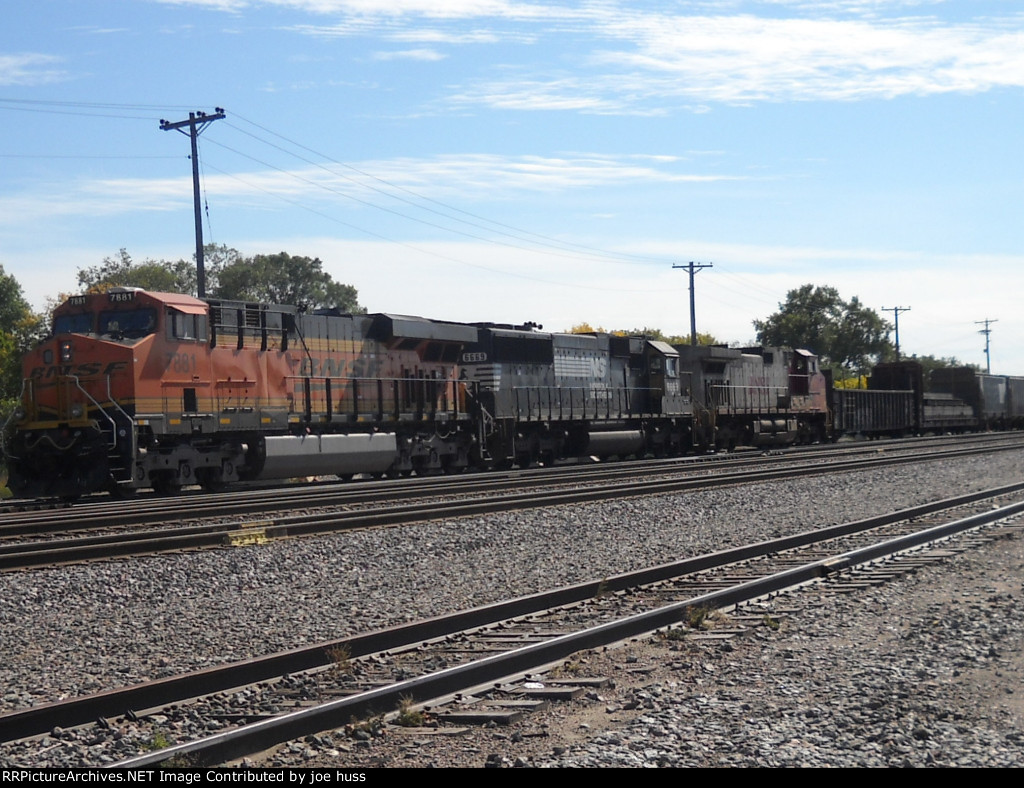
(747, 58)
(99, 31)
(466, 176)
(665, 63)
(636, 58)
(30, 69)
(410, 54)
(433, 9)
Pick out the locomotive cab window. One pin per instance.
(185, 326)
(73, 324)
(128, 323)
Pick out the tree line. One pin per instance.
(848, 337)
(265, 278)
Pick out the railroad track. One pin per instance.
(488, 496)
(23, 519)
(474, 650)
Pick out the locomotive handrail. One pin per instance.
(131, 422)
(618, 395)
(387, 400)
(757, 397)
(107, 416)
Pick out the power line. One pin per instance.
(85, 109)
(557, 251)
(419, 250)
(77, 157)
(517, 233)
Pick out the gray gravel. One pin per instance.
(83, 629)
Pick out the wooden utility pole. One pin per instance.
(986, 331)
(693, 268)
(197, 121)
(896, 320)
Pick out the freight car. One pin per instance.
(871, 413)
(997, 401)
(138, 389)
(900, 401)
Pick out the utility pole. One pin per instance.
(986, 331)
(896, 319)
(196, 123)
(693, 268)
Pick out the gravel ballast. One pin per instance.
(77, 630)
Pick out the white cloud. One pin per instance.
(638, 59)
(29, 69)
(410, 54)
(671, 62)
(438, 9)
(467, 176)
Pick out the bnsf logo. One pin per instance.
(87, 370)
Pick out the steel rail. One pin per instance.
(40, 719)
(153, 510)
(48, 553)
(258, 736)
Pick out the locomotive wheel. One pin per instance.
(166, 485)
(210, 480)
(121, 493)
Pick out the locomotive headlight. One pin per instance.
(77, 410)
(65, 350)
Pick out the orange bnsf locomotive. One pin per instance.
(137, 389)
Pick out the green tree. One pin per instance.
(845, 334)
(930, 363)
(283, 279)
(278, 278)
(673, 339)
(122, 271)
(652, 333)
(20, 328)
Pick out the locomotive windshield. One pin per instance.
(132, 322)
(73, 324)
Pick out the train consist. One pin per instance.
(136, 389)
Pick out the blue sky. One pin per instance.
(545, 161)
